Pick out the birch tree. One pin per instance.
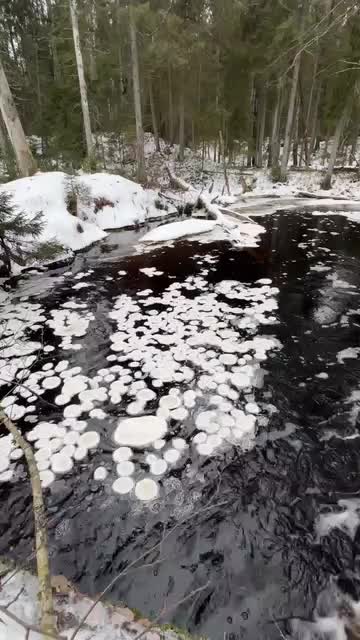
(24, 158)
(82, 82)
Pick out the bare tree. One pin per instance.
(24, 158)
(82, 82)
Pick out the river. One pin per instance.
(253, 522)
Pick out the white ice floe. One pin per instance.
(146, 490)
(125, 468)
(123, 485)
(100, 474)
(140, 432)
(350, 353)
(158, 467)
(122, 454)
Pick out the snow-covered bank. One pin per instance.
(124, 202)
(45, 192)
(103, 201)
(104, 623)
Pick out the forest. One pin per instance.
(265, 80)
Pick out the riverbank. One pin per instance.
(19, 612)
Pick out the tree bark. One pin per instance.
(24, 158)
(3, 141)
(82, 82)
(153, 115)
(290, 118)
(140, 154)
(326, 183)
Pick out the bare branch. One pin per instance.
(29, 627)
(171, 608)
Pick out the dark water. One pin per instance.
(252, 536)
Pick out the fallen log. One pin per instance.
(315, 196)
(176, 182)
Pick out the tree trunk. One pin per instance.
(3, 141)
(222, 146)
(140, 155)
(182, 121)
(120, 58)
(153, 115)
(275, 134)
(326, 183)
(296, 135)
(310, 111)
(171, 107)
(24, 158)
(82, 81)
(261, 122)
(252, 128)
(92, 39)
(53, 44)
(352, 156)
(290, 118)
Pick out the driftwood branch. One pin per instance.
(48, 623)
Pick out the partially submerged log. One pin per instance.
(316, 196)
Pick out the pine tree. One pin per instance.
(19, 235)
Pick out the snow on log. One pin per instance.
(176, 182)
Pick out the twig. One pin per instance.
(19, 384)
(30, 627)
(16, 598)
(168, 609)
